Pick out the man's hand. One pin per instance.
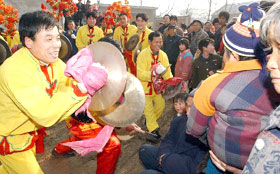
(222, 166)
(158, 69)
(133, 128)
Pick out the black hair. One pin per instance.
(215, 20)
(123, 14)
(173, 17)
(204, 43)
(171, 27)
(91, 14)
(194, 21)
(185, 42)
(167, 15)
(70, 20)
(143, 16)
(111, 41)
(181, 96)
(32, 23)
(224, 14)
(266, 5)
(101, 19)
(183, 26)
(154, 34)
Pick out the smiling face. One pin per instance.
(45, 47)
(156, 44)
(273, 64)
(91, 21)
(141, 23)
(123, 20)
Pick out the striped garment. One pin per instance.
(234, 105)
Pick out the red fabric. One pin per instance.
(77, 91)
(40, 148)
(131, 64)
(221, 46)
(37, 139)
(107, 159)
(160, 85)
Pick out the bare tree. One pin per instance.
(169, 8)
(209, 9)
(188, 3)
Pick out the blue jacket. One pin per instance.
(73, 42)
(178, 142)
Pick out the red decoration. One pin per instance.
(113, 11)
(59, 6)
(8, 17)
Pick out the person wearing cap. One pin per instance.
(171, 46)
(233, 105)
(35, 93)
(88, 33)
(148, 58)
(173, 21)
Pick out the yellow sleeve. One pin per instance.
(101, 34)
(79, 39)
(26, 91)
(117, 34)
(165, 63)
(15, 40)
(143, 67)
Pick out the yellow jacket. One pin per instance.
(145, 39)
(144, 65)
(119, 33)
(15, 40)
(107, 31)
(83, 39)
(25, 104)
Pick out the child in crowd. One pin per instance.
(179, 104)
(178, 153)
(206, 64)
(183, 67)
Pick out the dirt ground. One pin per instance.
(128, 162)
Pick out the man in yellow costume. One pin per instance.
(122, 33)
(150, 57)
(34, 94)
(88, 33)
(142, 30)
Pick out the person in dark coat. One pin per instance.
(71, 34)
(171, 46)
(178, 153)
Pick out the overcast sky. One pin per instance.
(179, 5)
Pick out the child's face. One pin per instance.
(273, 63)
(182, 47)
(189, 104)
(180, 106)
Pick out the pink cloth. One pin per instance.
(78, 64)
(97, 144)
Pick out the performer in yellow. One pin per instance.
(15, 40)
(104, 28)
(125, 31)
(88, 33)
(148, 58)
(142, 30)
(34, 93)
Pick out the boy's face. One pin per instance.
(180, 106)
(91, 21)
(273, 63)
(123, 20)
(222, 20)
(209, 49)
(189, 104)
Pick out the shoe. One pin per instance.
(154, 138)
(66, 155)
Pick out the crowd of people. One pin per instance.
(227, 117)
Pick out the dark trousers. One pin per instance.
(171, 163)
(148, 156)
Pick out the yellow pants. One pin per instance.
(154, 107)
(20, 163)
